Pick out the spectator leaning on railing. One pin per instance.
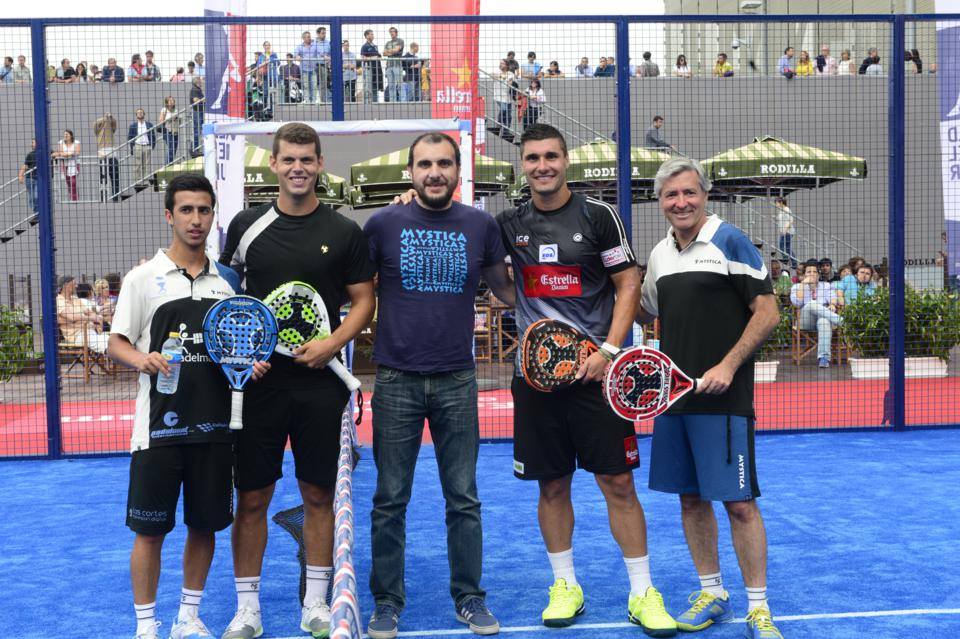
(350, 73)
(682, 69)
(873, 57)
(412, 66)
(104, 129)
(393, 50)
(785, 64)
(151, 72)
(804, 65)
(653, 139)
(531, 70)
(199, 69)
(323, 66)
(583, 70)
(135, 72)
(372, 71)
(826, 63)
(21, 72)
(722, 68)
(308, 55)
(112, 73)
(6, 71)
(290, 81)
(648, 68)
(65, 73)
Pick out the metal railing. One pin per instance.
(809, 240)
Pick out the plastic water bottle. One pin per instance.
(172, 351)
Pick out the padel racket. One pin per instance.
(551, 353)
(239, 331)
(302, 316)
(641, 382)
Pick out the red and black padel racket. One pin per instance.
(641, 382)
(551, 353)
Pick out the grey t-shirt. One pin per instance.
(391, 44)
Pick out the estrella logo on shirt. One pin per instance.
(552, 281)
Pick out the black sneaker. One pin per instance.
(383, 622)
(473, 612)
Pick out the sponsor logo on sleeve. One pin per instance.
(549, 253)
(614, 256)
(517, 467)
(552, 281)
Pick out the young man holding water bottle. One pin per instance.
(180, 433)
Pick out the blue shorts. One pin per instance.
(707, 455)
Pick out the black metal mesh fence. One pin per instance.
(790, 119)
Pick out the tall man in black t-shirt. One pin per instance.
(707, 283)
(178, 438)
(572, 261)
(295, 238)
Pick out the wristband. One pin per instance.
(608, 350)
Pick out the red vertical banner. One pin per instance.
(454, 60)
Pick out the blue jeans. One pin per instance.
(785, 243)
(394, 82)
(197, 114)
(505, 115)
(401, 402)
(30, 183)
(172, 140)
(817, 316)
(309, 85)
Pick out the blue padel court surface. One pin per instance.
(863, 530)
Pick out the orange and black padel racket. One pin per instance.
(551, 353)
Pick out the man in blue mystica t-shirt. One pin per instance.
(430, 255)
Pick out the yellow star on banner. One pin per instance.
(464, 75)
(531, 282)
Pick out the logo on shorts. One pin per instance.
(630, 451)
(743, 474)
(578, 237)
(517, 467)
(170, 419)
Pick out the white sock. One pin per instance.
(318, 581)
(248, 592)
(562, 564)
(712, 584)
(757, 598)
(189, 604)
(146, 616)
(638, 570)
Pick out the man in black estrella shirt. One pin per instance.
(179, 438)
(572, 261)
(295, 238)
(707, 283)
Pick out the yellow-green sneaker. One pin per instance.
(649, 613)
(566, 604)
(706, 610)
(760, 625)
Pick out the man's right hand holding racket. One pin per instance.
(317, 352)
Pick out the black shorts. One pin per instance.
(311, 419)
(205, 470)
(555, 433)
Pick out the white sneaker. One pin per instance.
(151, 632)
(190, 629)
(246, 624)
(315, 619)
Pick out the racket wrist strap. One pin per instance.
(609, 351)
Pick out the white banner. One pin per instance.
(948, 81)
(225, 93)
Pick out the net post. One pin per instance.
(466, 164)
(336, 69)
(48, 267)
(624, 194)
(897, 202)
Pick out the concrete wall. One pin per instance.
(703, 117)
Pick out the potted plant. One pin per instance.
(16, 342)
(766, 364)
(932, 328)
